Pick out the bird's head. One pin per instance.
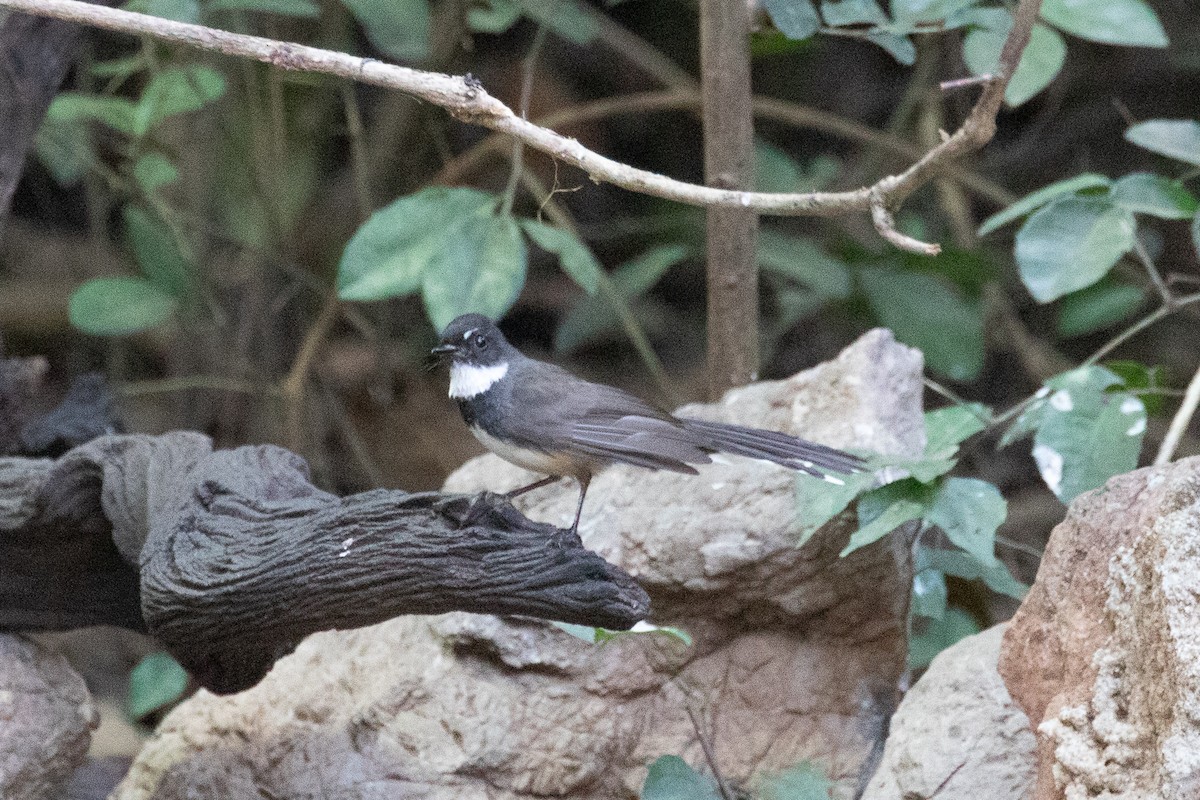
(473, 340)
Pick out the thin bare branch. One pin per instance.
(1180, 422)
(470, 103)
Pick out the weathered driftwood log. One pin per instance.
(230, 558)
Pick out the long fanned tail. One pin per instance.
(808, 457)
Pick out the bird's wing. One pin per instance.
(601, 424)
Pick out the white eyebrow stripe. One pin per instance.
(469, 334)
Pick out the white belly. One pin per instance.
(532, 460)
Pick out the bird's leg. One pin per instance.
(531, 487)
(583, 487)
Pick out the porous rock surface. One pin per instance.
(958, 733)
(46, 721)
(796, 653)
(1104, 654)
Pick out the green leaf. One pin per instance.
(64, 147)
(670, 778)
(176, 91)
(115, 112)
(1147, 193)
(178, 10)
(1174, 138)
(496, 17)
(774, 169)
(969, 511)
(926, 312)
(481, 270)
(157, 252)
(389, 254)
(1141, 380)
(929, 594)
(1041, 197)
(156, 682)
(118, 306)
(805, 781)
(398, 28)
(852, 12)
(1040, 63)
(564, 17)
(576, 259)
(961, 565)
(795, 19)
(153, 171)
(954, 626)
(946, 428)
(912, 11)
(1097, 307)
(899, 47)
(1129, 22)
(797, 258)
(600, 635)
(120, 68)
(594, 315)
(818, 500)
(1071, 243)
(305, 9)
(1083, 433)
(882, 510)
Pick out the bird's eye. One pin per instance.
(481, 342)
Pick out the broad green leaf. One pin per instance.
(156, 251)
(1083, 433)
(929, 594)
(899, 47)
(953, 626)
(176, 91)
(1032, 202)
(795, 19)
(798, 259)
(882, 510)
(774, 170)
(1040, 63)
(1174, 138)
(496, 17)
(156, 682)
(576, 259)
(1097, 307)
(1147, 193)
(946, 428)
(594, 315)
(670, 778)
(118, 306)
(153, 171)
(852, 12)
(805, 781)
(115, 112)
(1071, 243)
(65, 148)
(818, 500)
(480, 270)
(178, 10)
(564, 17)
(928, 10)
(387, 256)
(398, 28)
(961, 565)
(926, 312)
(969, 511)
(1141, 380)
(306, 9)
(1129, 22)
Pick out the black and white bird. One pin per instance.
(544, 419)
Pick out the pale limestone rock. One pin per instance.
(797, 652)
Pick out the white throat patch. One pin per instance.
(468, 380)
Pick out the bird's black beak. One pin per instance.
(443, 350)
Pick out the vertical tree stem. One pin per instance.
(729, 164)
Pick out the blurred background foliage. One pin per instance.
(267, 256)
